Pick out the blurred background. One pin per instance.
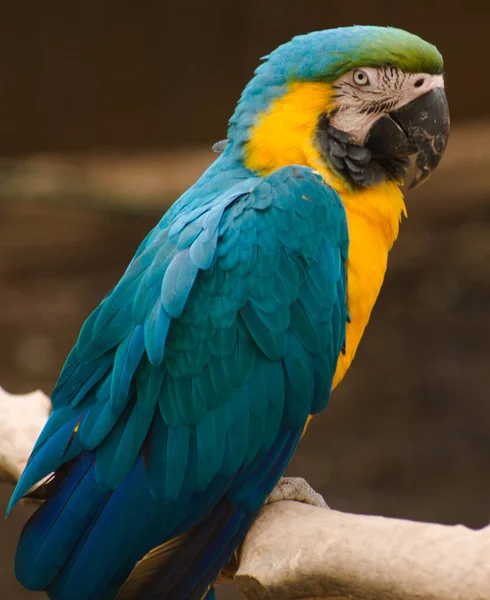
(108, 111)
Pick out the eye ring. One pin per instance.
(360, 77)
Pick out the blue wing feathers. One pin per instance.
(146, 298)
(173, 414)
(223, 341)
(210, 446)
(80, 378)
(118, 451)
(56, 421)
(311, 334)
(237, 432)
(48, 457)
(126, 361)
(99, 418)
(273, 345)
(177, 283)
(299, 379)
(166, 458)
(110, 328)
(221, 386)
(238, 364)
(155, 333)
(182, 387)
(189, 386)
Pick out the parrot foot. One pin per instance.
(297, 490)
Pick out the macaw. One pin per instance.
(190, 385)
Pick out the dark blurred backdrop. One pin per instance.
(113, 100)
(151, 74)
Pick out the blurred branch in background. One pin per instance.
(21, 419)
(135, 182)
(151, 182)
(297, 551)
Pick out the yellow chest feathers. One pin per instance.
(371, 236)
(285, 135)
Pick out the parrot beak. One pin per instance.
(420, 127)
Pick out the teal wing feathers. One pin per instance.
(222, 335)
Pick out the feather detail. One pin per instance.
(273, 345)
(177, 283)
(155, 333)
(54, 453)
(48, 539)
(126, 361)
(166, 455)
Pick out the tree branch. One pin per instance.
(296, 551)
(21, 419)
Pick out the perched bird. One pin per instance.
(190, 385)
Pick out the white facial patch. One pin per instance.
(364, 95)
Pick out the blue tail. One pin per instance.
(84, 541)
(188, 566)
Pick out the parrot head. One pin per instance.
(354, 103)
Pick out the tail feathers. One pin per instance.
(147, 568)
(84, 540)
(120, 532)
(168, 572)
(57, 448)
(52, 532)
(187, 567)
(127, 524)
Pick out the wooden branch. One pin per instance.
(152, 181)
(21, 419)
(298, 551)
(295, 551)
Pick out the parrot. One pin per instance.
(191, 384)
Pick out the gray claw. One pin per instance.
(297, 490)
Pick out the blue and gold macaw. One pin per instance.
(190, 385)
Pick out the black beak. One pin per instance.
(420, 127)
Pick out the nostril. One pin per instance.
(419, 83)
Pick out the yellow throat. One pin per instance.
(284, 135)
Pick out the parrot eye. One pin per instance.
(360, 77)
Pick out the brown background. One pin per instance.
(153, 73)
(407, 434)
